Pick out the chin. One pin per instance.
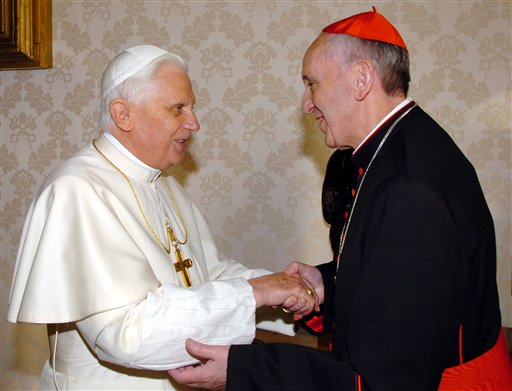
(329, 142)
(177, 160)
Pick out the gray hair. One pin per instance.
(128, 89)
(390, 61)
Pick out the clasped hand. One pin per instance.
(288, 290)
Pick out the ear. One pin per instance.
(121, 114)
(364, 79)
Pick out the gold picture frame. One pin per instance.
(26, 34)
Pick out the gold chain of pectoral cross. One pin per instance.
(181, 266)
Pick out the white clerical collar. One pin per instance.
(121, 148)
(397, 108)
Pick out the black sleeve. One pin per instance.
(319, 323)
(283, 367)
(328, 271)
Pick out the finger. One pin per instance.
(198, 350)
(293, 304)
(312, 292)
(291, 268)
(297, 317)
(300, 307)
(185, 375)
(308, 295)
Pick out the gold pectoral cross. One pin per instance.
(181, 265)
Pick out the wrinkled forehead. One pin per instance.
(316, 54)
(172, 80)
(318, 48)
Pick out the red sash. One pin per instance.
(490, 371)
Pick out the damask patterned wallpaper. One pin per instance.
(256, 167)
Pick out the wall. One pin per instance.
(256, 167)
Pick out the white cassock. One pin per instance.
(88, 262)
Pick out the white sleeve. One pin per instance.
(267, 318)
(152, 334)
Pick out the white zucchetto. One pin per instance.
(126, 64)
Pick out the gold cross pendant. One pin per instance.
(181, 265)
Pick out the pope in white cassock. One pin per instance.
(117, 259)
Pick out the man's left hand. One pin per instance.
(211, 373)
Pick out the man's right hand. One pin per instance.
(310, 274)
(287, 290)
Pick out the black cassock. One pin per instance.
(418, 262)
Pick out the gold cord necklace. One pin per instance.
(181, 265)
(167, 225)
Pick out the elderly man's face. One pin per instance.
(164, 118)
(328, 95)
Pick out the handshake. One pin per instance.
(298, 289)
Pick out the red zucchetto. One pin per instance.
(368, 25)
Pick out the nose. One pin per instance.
(307, 103)
(192, 123)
